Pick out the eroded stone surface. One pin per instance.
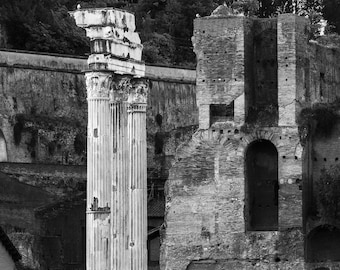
(271, 71)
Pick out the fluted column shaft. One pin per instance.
(129, 179)
(137, 176)
(98, 172)
(120, 199)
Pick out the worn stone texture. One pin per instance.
(292, 43)
(205, 201)
(115, 45)
(44, 97)
(220, 50)
(46, 93)
(275, 65)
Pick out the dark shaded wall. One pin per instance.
(42, 209)
(263, 102)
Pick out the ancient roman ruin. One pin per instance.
(240, 192)
(116, 231)
(225, 167)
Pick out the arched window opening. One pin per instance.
(3, 148)
(262, 186)
(323, 244)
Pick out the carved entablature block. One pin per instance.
(98, 84)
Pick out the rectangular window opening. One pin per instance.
(221, 112)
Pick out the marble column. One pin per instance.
(116, 195)
(137, 188)
(129, 181)
(120, 166)
(99, 171)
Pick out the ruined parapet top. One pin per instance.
(222, 11)
(115, 45)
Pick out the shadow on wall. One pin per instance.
(3, 148)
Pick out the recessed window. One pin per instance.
(262, 186)
(221, 112)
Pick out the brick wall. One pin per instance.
(207, 207)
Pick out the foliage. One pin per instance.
(328, 194)
(246, 7)
(72, 4)
(42, 25)
(312, 9)
(175, 19)
(45, 25)
(159, 49)
(331, 11)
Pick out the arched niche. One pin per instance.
(261, 165)
(323, 244)
(3, 148)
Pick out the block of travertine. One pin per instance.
(115, 46)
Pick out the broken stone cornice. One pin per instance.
(104, 17)
(111, 31)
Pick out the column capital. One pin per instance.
(132, 90)
(98, 84)
(120, 90)
(138, 93)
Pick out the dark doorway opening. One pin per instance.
(323, 244)
(262, 186)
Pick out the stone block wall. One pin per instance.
(44, 110)
(220, 49)
(293, 35)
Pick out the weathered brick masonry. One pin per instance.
(254, 76)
